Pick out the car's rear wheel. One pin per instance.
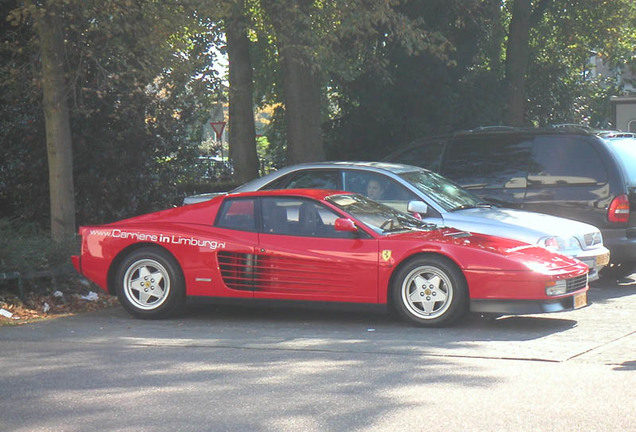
(150, 284)
(430, 291)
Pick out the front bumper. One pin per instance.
(595, 259)
(529, 307)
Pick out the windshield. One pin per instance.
(445, 193)
(378, 217)
(626, 150)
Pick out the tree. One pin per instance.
(24, 191)
(560, 86)
(242, 131)
(56, 115)
(301, 85)
(139, 80)
(343, 80)
(319, 43)
(517, 57)
(433, 82)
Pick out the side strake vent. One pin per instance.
(241, 271)
(237, 270)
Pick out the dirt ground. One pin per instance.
(49, 300)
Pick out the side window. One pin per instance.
(313, 179)
(564, 161)
(279, 183)
(426, 154)
(379, 188)
(237, 214)
(299, 217)
(487, 162)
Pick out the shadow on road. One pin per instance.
(604, 289)
(626, 366)
(376, 321)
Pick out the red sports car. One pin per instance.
(322, 246)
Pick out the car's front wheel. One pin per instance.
(430, 291)
(617, 271)
(150, 284)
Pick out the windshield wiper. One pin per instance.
(471, 206)
(391, 224)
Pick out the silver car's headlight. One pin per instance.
(558, 244)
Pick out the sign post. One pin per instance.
(218, 128)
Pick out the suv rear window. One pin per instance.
(626, 151)
(566, 160)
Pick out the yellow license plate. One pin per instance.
(580, 300)
(602, 260)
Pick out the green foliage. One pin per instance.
(433, 91)
(419, 94)
(277, 137)
(26, 248)
(560, 88)
(23, 169)
(141, 83)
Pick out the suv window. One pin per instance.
(487, 162)
(568, 160)
(317, 179)
(427, 154)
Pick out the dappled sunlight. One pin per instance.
(296, 368)
(297, 422)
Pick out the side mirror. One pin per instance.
(345, 224)
(417, 207)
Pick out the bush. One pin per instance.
(27, 249)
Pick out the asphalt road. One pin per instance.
(292, 368)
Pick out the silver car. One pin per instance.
(438, 200)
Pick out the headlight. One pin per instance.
(556, 244)
(555, 288)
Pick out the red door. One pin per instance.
(321, 269)
(301, 256)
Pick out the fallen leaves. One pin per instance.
(59, 302)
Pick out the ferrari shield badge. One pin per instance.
(386, 255)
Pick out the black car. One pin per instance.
(564, 172)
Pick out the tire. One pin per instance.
(616, 271)
(430, 292)
(150, 284)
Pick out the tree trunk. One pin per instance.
(58, 128)
(300, 84)
(302, 109)
(242, 131)
(496, 37)
(517, 59)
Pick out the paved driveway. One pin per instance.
(239, 368)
